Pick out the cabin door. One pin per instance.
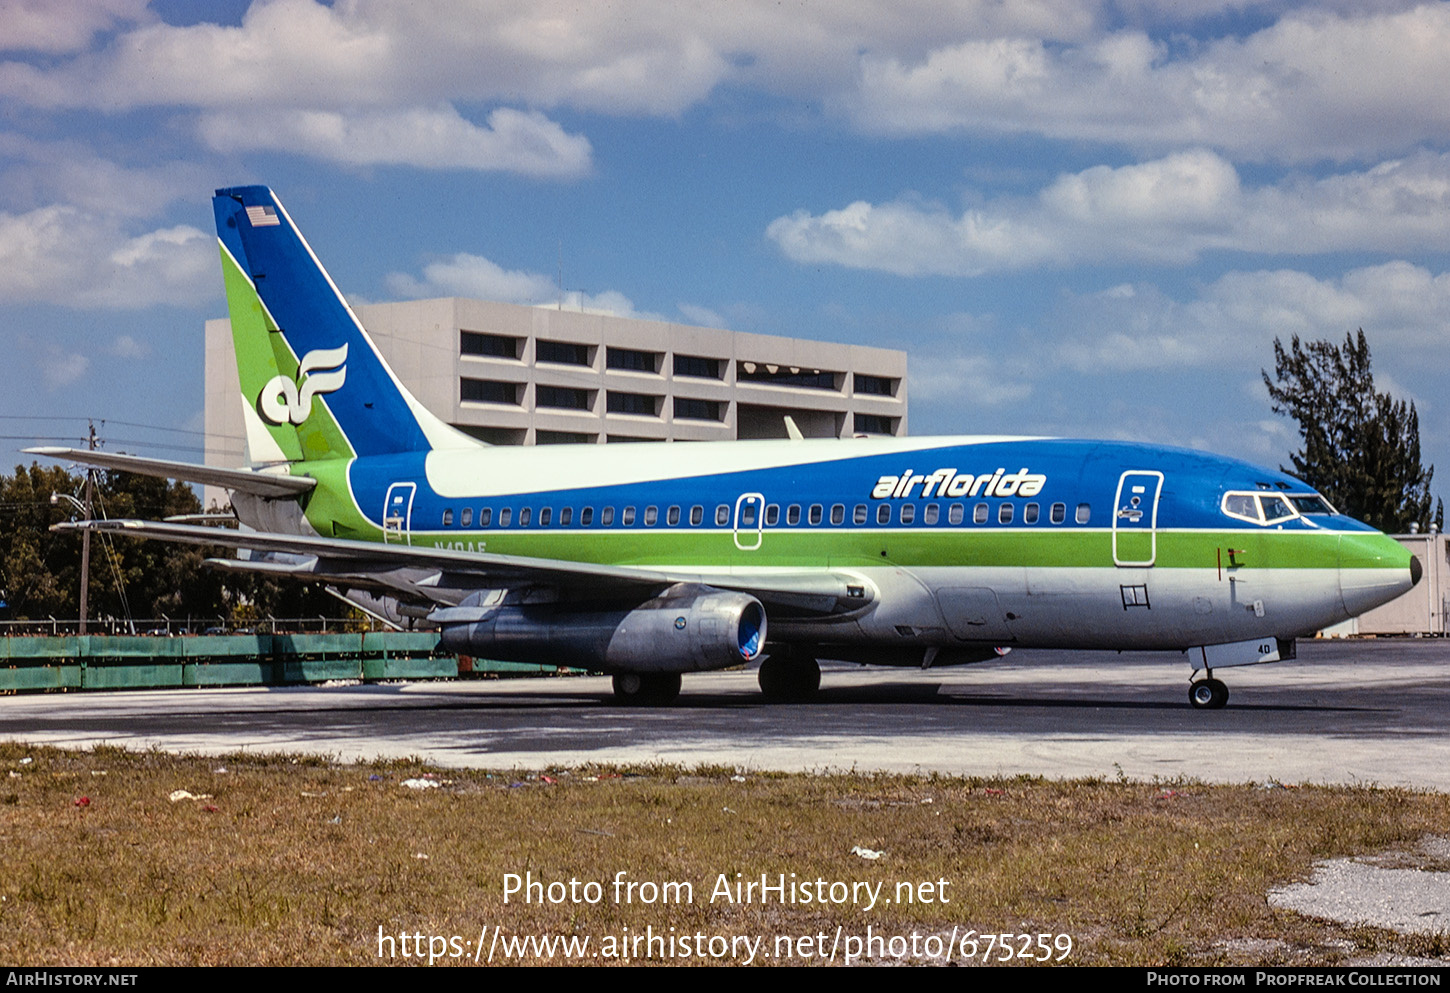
(398, 513)
(1135, 518)
(749, 521)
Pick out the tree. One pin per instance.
(40, 569)
(1361, 447)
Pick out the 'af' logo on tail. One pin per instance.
(281, 401)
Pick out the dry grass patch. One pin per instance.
(300, 861)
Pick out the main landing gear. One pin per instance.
(789, 678)
(1207, 694)
(646, 689)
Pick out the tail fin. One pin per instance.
(313, 383)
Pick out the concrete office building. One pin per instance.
(520, 375)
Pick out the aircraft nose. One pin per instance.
(1374, 569)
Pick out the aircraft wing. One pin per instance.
(817, 592)
(263, 484)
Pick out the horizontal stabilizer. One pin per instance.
(262, 484)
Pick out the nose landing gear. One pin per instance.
(1207, 694)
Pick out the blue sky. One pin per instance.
(1079, 218)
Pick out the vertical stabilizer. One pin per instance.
(311, 378)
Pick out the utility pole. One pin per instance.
(86, 535)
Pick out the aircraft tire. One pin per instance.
(1208, 694)
(646, 689)
(789, 679)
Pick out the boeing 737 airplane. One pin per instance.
(656, 560)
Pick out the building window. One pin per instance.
(875, 424)
(494, 346)
(689, 408)
(697, 366)
(632, 403)
(561, 352)
(878, 386)
(632, 361)
(779, 375)
(563, 397)
(488, 391)
(542, 437)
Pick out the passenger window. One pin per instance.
(793, 514)
(722, 515)
(838, 513)
(697, 515)
(858, 514)
(627, 518)
(772, 515)
(526, 514)
(883, 514)
(448, 518)
(566, 516)
(747, 514)
(651, 514)
(930, 514)
(505, 516)
(546, 516)
(467, 517)
(908, 513)
(816, 511)
(672, 516)
(1029, 514)
(1084, 513)
(1058, 513)
(485, 517)
(1004, 513)
(979, 514)
(606, 516)
(586, 517)
(955, 514)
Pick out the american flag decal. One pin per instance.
(261, 217)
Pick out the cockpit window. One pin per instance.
(1242, 506)
(1275, 508)
(1259, 508)
(1311, 503)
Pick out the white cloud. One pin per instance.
(1168, 210)
(38, 173)
(56, 26)
(702, 316)
(66, 256)
(466, 275)
(127, 347)
(59, 367)
(1404, 307)
(433, 138)
(1313, 84)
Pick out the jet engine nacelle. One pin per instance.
(684, 629)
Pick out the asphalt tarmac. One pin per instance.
(1359, 712)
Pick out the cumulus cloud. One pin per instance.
(466, 275)
(1405, 306)
(433, 138)
(58, 26)
(702, 316)
(1332, 79)
(65, 255)
(1168, 210)
(1313, 84)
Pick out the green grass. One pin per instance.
(302, 860)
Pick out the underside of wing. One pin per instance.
(445, 576)
(260, 483)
